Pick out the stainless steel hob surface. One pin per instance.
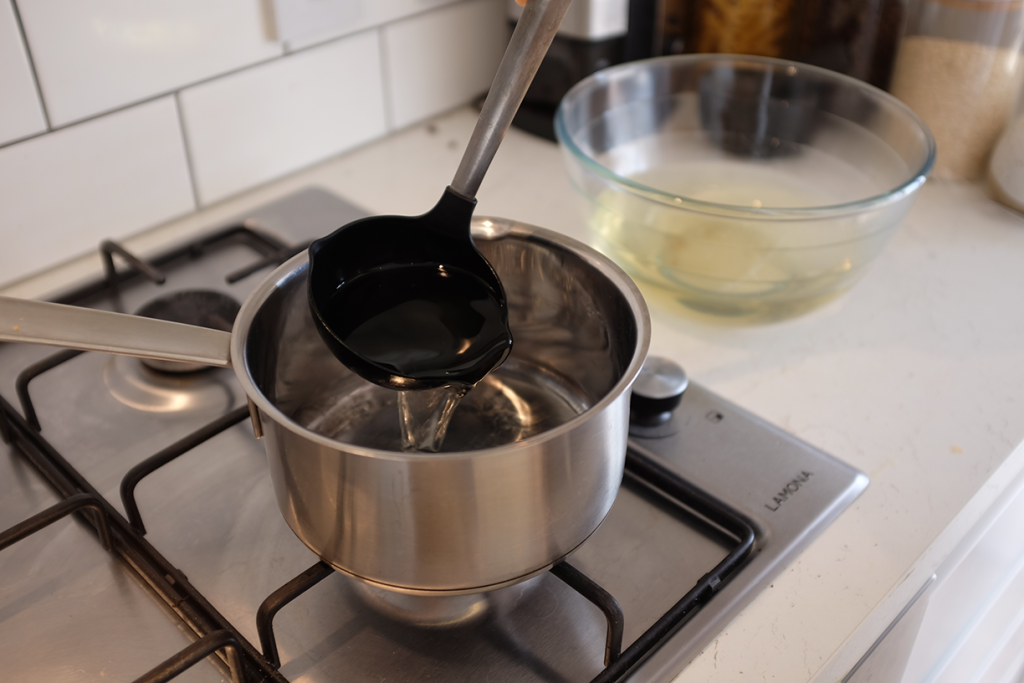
(70, 611)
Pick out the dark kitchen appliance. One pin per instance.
(859, 38)
(594, 34)
(715, 503)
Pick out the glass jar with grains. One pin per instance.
(959, 68)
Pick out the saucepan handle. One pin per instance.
(73, 327)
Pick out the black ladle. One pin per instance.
(409, 302)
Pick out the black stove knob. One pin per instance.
(657, 391)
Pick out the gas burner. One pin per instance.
(138, 386)
(200, 307)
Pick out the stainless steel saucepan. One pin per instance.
(534, 455)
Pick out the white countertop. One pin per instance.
(916, 377)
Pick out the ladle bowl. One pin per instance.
(384, 244)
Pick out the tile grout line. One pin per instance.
(162, 94)
(31, 65)
(285, 54)
(345, 33)
(190, 165)
(385, 80)
(174, 91)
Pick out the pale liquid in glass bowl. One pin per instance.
(736, 264)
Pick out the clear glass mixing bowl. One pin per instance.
(740, 186)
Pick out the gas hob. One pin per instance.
(715, 503)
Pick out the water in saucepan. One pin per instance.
(429, 322)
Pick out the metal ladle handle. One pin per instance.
(74, 327)
(530, 41)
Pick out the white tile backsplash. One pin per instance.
(61, 194)
(441, 59)
(103, 152)
(20, 112)
(301, 23)
(96, 55)
(255, 125)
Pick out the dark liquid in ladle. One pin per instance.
(427, 322)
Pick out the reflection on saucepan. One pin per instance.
(443, 611)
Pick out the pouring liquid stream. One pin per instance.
(424, 416)
(426, 322)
